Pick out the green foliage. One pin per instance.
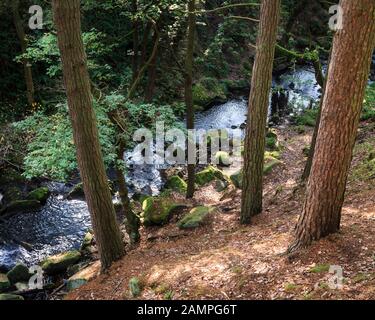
(51, 153)
(306, 118)
(368, 112)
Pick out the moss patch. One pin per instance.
(40, 194)
(59, 263)
(177, 184)
(195, 218)
(209, 174)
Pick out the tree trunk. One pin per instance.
(341, 109)
(323, 83)
(132, 222)
(189, 92)
(150, 88)
(77, 83)
(258, 109)
(26, 63)
(135, 41)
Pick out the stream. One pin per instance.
(61, 224)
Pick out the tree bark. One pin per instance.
(150, 88)
(135, 41)
(30, 91)
(77, 83)
(258, 109)
(189, 91)
(341, 109)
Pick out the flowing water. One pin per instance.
(61, 224)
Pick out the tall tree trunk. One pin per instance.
(77, 83)
(258, 109)
(135, 41)
(189, 91)
(132, 222)
(341, 109)
(150, 88)
(30, 91)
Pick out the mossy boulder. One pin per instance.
(158, 210)
(195, 218)
(271, 140)
(209, 91)
(209, 174)
(223, 158)
(20, 206)
(236, 179)
(4, 282)
(60, 262)
(270, 163)
(83, 276)
(10, 297)
(177, 184)
(18, 274)
(40, 194)
(76, 192)
(87, 241)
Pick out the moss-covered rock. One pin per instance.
(158, 210)
(271, 140)
(236, 179)
(60, 262)
(87, 241)
(18, 274)
(20, 206)
(209, 174)
(4, 282)
(209, 91)
(177, 184)
(10, 297)
(195, 218)
(83, 276)
(40, 194)
(270, 163)
(223, 158)
(76, 192)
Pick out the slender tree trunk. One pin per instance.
(323, 83)
(258, 109)
(30, 91)
(77, 83)
(341, 109)
(189, 91)
(132, 222)
(135, 41)
(152, 74)
(146, 35)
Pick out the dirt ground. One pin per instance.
(226, 260)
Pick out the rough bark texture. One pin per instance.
(342, 105)
(189, 90)
(26, 63)
(77, 83)
(132, 222)
(258, 108)
(135, 40)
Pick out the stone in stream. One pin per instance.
(60, 262)
(76, 192)
(4, 282)
(9, 297)
(20, 206)
(87, 241)
(40, 194)
(83, 276)
(195, 218)
(18, 274)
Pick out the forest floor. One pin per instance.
(226, 260)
